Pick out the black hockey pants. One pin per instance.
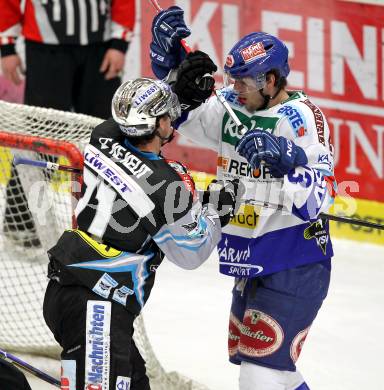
(96, 337)
(11, 378)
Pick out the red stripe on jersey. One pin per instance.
(181, 170)
(10, 16)
(331, 185)
(123, 13)
(30, 27)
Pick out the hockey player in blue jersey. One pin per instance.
(280, 259)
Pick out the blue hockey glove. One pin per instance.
(280, 154)
(168, 28)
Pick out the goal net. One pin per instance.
(36, 206)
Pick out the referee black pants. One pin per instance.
(63, 77)
(67, 77)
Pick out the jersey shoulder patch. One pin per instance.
(184, 175)
(295, 117)
(231, 97)
(318, 118)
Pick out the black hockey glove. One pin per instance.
(225, 198)
(194, 81)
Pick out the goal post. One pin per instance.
(36, 206)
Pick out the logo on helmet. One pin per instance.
(145, 95)
(252, 52)
(229, 61)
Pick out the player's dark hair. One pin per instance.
(146, 139)
(280, 82)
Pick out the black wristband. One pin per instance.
(119, 44)
(7, 50)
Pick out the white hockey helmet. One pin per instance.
(137, 103)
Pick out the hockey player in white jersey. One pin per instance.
(281, 259)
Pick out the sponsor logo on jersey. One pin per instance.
(196, 228)
(295, 118)
(231, 96)
(231, 133)
(325, 159)
(245, 218)
(234, 255)
(121, 294)
(260, 334)
(319, 120)
(97, 353)
(104, 286)
(119, 179)
(317, 231)
(252, 52)
(234, 261)
(184, 176)
(297, 344)
(178, 167)
(242, 168)
(123, 383)
(97, 164)
(190, 227)
(122, 155)
(68, 375)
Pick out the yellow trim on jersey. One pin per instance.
(104, 250)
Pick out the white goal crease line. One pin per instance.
(350, 107)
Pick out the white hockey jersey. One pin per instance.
(263, 240)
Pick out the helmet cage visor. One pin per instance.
(167, 105)
(246, 83)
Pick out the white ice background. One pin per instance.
(186, 319)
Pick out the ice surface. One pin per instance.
(186, 319)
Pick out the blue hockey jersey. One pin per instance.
(262, 240)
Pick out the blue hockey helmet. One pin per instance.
(255, 55)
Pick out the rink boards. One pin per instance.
(367, 210)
